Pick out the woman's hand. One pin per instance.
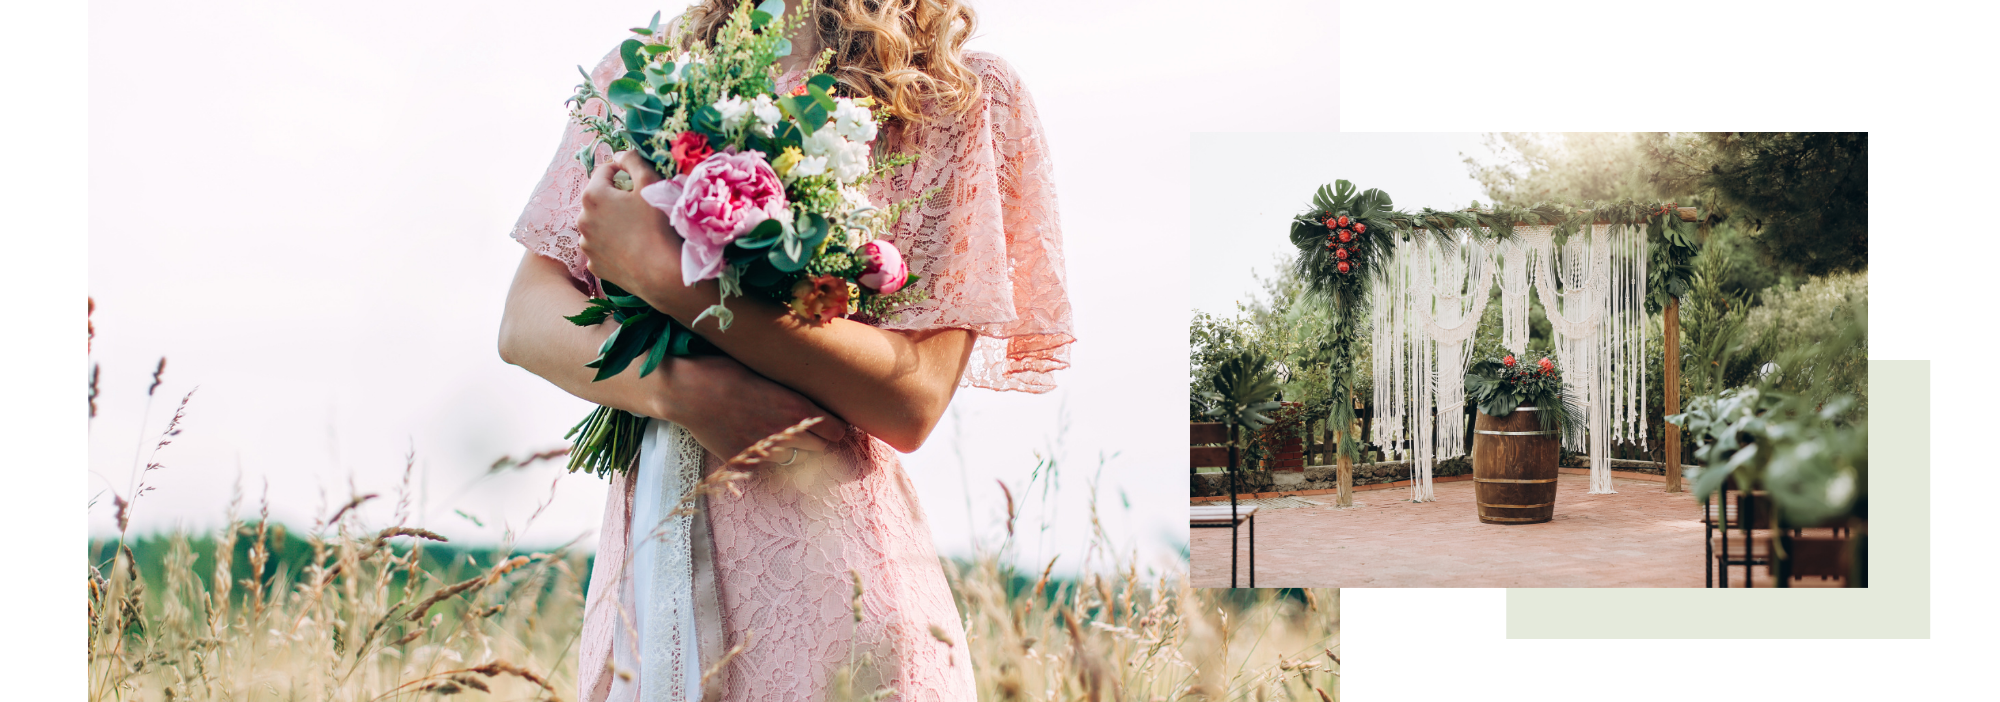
(625, 239)
(727, 408)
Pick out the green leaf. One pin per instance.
(782, 49)
(629, 51)
(627, 343)
(653, 49)
(759, 18)
(774, 8)
(594, 314)
(625, 93)
(762, 235)
(788, 258)
(654, 25)
(642, 31)
(659, 352)
(823, 81)
(820, 96)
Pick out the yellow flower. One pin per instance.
(864, 102)
(786, 159)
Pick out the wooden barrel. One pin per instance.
(1514, 468)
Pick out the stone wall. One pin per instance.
(1317, 477)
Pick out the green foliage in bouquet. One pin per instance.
(1496, 386)
(815, 244)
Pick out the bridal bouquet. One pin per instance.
(1496, 386)
(765, 190)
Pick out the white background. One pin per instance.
(1138, 79)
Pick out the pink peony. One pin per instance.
(725, 196)
(886, 271)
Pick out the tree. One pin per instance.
(1804, 194)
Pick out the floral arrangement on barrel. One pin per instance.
(1497, 386)
(767, 192)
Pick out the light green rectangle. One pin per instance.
(1895, 605)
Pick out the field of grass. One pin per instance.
(348, 612)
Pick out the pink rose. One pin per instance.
(725, 196)
(886, 271)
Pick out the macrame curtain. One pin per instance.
(1427, 307)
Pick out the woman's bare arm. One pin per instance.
(893, 384)
(724, 404)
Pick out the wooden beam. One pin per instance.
(1673, 393)
(1687, 214)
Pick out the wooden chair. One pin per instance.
(1217, 517)
(1750, 516)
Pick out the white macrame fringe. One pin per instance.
(1427, 306)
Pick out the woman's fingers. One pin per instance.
(829, 428)
(641, 171)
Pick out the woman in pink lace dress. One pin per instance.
(777, 566)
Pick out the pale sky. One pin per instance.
(1247, 189)
(305, 207)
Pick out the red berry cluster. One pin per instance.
(1669, 207)
(1341, 240)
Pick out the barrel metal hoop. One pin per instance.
(1545, 504)
(1514, 433)
(1512, 519)
(1511, 480)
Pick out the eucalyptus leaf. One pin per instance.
(820, 96)
(629, 51)
(625, 93)
(774, 8)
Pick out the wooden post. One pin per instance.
(1344, 495)
(1673, 393)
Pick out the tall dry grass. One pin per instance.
(366, 619)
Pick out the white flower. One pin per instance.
(734, 112)
(824, 142)
(853, 121)
(854, 241)
(809, 166)
(849, 163)
(856, 198)
(767, 114)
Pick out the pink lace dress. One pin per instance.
(785, 556)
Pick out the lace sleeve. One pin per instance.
(989, 245)
(548, 224)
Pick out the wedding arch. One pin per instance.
(1425, 279)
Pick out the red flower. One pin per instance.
(1329, 223)
(1342, 266)
(1346, 236)
(1548, 366)
(689, 149)
(1360, 228)
(820, 299)
(1508, 361)
(801, 90)
(1342, 221)
(1340, 254)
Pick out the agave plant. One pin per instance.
(1243, 388)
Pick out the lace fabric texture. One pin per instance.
(790, 551)
(988, 245)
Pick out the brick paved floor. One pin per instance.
(1641, 537)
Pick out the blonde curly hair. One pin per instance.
(902, 53)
